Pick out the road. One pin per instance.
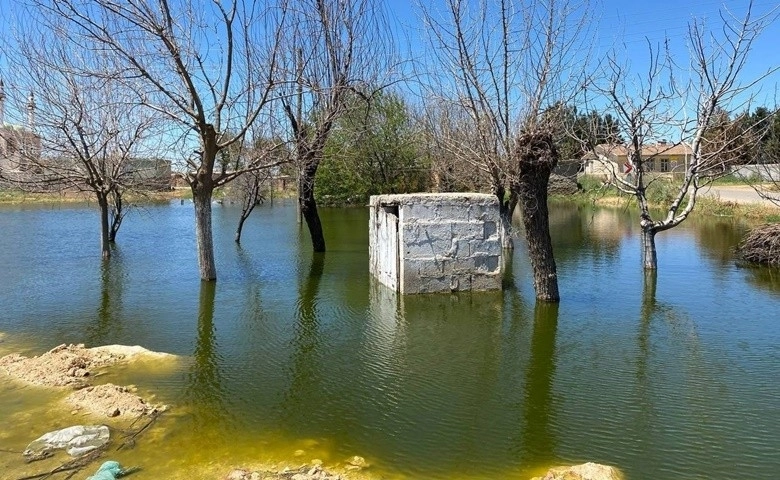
(736, 194)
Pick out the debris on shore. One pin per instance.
(762, 245)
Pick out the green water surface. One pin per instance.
(291, 357)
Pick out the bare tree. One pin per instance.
(656, 107)
(204, 65)
(250, 192)
(504, 65)
(332, 49)
(248, 189)
(83, 131)
(763, 126)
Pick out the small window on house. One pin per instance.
(664, 164)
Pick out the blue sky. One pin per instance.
(625, 23)
(629, 24)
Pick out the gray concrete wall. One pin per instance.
(445, 242)
(767, 172)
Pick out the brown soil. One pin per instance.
(112, 401)
(73, 366)
(65, 365)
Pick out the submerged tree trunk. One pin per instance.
(117, 215)
(240, 227)
(649, 258)
(201, 198)
(506, 207)
(104, 229)
(537, 157)
(308, 205)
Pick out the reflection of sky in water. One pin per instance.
(287, 351)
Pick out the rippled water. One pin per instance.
(290, 356)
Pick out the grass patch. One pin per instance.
(15, 197)
(706, 206)
(660, 193)
(732, 179)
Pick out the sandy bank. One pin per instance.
(71, 365)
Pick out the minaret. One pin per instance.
(31, 112)
(2, 103)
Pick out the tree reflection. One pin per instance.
(304, 374)
(109, 309)
(252, 282)
(205, 384)
(540, 439)
(767, 278)
(647, 311)
(718, 238)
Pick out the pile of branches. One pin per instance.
(762, 245)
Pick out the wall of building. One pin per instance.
(445, 242)
(768, 172)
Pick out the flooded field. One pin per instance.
(290, 357)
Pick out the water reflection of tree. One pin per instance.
(576, 227)
(304, 375)
(109, 310)
(539, 438)
(718, 238)
(644, 351)
(205, 388)
(251, 280)
(764, 277)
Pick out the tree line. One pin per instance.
(233, 89)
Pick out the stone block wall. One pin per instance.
(443, 242)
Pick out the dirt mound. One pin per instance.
(112, 400)
(67, 365)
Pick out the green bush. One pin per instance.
(374, 149)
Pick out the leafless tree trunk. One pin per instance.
(117, 214)
(537, 157)
(498, 67)
(332, 49)
(205, 66)
(649, 111)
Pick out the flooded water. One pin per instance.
(291, 357)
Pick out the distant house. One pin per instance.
(149, 173)
(662, 157)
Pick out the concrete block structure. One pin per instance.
(444, 242)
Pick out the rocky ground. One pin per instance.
(305, 472)
(585, 471)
